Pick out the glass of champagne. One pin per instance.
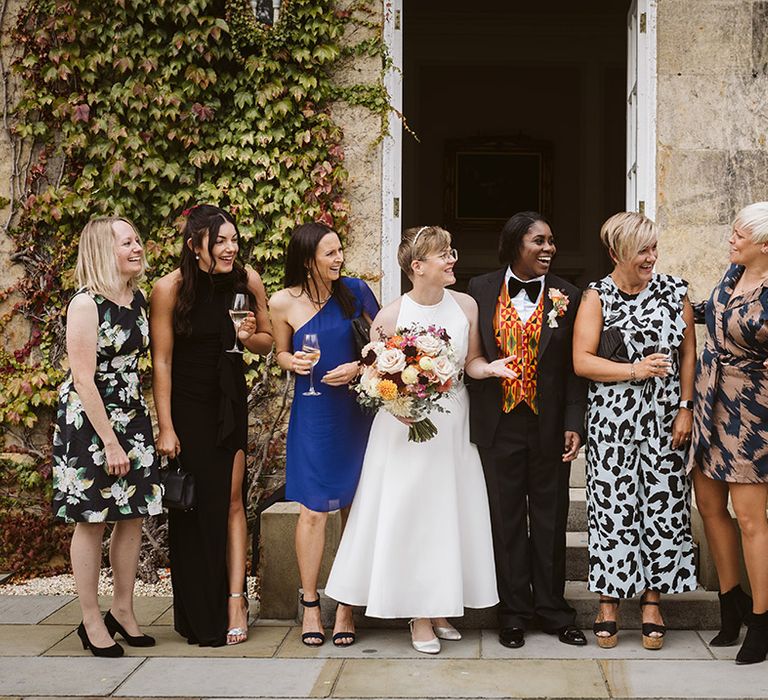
(310, 346)
(664, 349)
(238, 313)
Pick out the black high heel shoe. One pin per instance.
(114, 627)
(320, 636)
(110, 652)
(735, 607)
(606, 631)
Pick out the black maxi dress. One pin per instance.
(209, 413)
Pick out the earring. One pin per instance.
(197, 257)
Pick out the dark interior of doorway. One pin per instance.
(518, 102)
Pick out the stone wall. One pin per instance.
(711, 129)
(362, 157)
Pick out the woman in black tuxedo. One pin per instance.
(529, 430)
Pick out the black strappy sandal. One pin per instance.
(312, 635)
(610, 626)
(340, 636)
(651, 628)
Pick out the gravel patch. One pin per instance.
(64, 584)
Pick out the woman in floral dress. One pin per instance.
(105, 466)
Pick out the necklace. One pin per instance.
(319, 303)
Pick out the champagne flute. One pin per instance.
(664, 349)
(238, 313)
(310, 346)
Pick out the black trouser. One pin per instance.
(528, 496)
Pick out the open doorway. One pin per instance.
(517, 106)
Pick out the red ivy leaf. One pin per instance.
(82, 113)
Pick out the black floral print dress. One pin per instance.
(83, 490)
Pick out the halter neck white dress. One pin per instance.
(418, 539)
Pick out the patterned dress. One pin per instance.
(83, 490)
(638, 495)
(730, 418)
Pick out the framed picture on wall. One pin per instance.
(489, 179)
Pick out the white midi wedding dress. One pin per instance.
(418, 539)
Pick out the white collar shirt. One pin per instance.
(523, 305)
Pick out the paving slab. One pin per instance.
(262, 643)
(147, 610)
(235, 678)
(538, 645)
(30, 609)
(30, 640)
(379, 644)
(722, 653)
(697, 679)
(479, 678)
(24, 675)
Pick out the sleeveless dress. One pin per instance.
(418, 538)
(638, 495)
(209, 413)
(327, 434)
(83, 491)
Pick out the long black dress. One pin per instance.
(209, 413)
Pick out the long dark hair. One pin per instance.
(202, 220)
(300, 268)
(511, 237)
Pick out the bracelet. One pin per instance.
(632, 375)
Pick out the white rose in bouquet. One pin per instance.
(410, 375)
(391, 361)
(444, 368)
(429, 344)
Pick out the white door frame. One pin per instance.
(641, 129)
(641, 107)
(392, 154)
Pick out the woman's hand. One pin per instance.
(572, 446)
(168, 444)
(247, 327)
(299, 363)
(681, 428)
(343, 374)
(118, 463)
(656, 364)
(498, 368)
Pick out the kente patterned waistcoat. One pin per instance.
(514, 338)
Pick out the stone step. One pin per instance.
(695, 610)
(576, 556)
(577, 511)
(578, 477)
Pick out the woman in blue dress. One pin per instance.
(327, 432)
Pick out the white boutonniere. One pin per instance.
(559, 306)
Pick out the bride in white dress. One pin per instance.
(417, 543)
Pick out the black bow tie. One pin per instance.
(532, 288)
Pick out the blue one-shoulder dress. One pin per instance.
(328, 434)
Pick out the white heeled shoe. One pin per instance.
(431, 646)
(449, 633)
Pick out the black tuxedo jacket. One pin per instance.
(561, 395)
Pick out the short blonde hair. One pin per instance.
(96, 268)
(754, 218)
(419, 242)
(627, 233)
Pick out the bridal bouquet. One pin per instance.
(407, 374)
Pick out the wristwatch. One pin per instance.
(686, 404)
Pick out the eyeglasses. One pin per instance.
(447, 256)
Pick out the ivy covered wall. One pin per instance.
(144, 107)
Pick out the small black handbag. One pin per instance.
(178, 486)
(361, 334)
(611, 346)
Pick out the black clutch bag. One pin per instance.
(612, 346)
(178, 486)
(361, 333)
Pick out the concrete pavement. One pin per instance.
(40, 656)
